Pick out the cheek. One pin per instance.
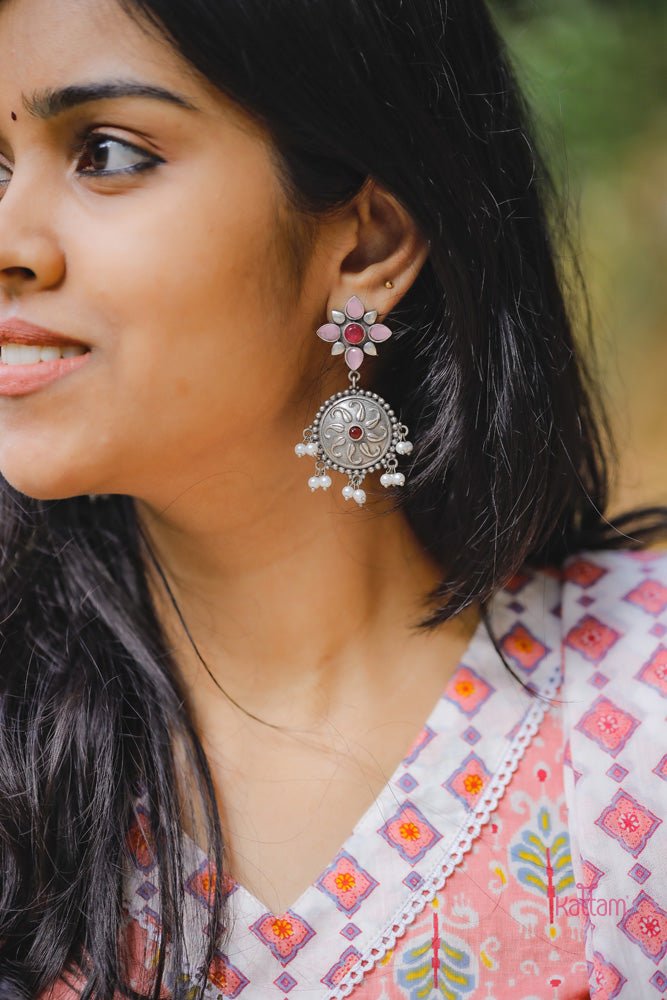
(191, 292)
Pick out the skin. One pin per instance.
(204, 372)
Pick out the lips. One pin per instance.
(18, 331)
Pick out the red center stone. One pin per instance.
(355, 432)
(354, 333)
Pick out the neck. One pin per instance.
(287, 600)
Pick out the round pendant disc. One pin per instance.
(355, 430)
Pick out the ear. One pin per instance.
(388, 247)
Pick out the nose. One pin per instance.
(31, 257)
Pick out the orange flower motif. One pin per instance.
(473, 783)
(140, 841)
(345, 881)
(218, 974)
(523, 641)
(409, 831)
(282, 928)
(208, 882)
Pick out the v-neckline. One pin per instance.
(414, 834)
(480, 651)
(478, 635)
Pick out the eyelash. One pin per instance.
(91, 139)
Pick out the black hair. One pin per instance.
(509, 465)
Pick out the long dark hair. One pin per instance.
(508, 469)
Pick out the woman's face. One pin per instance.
(160, 244)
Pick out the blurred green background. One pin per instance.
(595, 72)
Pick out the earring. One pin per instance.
(354, 431)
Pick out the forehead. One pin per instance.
(53, 43)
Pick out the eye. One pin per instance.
(102, 155)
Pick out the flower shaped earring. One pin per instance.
(355, 431)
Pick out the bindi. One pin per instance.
(13, 116)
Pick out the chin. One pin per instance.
(47, 469)
(43, 487)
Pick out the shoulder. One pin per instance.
(614, 608)
(614, 636)
(602, 571)
(614, 618)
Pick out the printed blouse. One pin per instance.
(518, 851)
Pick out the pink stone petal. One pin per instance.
(379, 332)
(328, 332)
(354, 356)
(354, 308)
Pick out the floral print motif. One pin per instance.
(592, 638)
(628, 822)
(347, 961)
(495, 928)
(646, 925)
(608, 725)
(468, 690)
(583, 572)
(226, 977)
(541, 859)
(423, 739)
(346, 883)
(140, 842)
(523, 647)
(410, 833)
(654, 672)
(651, 595)
(493, 891)
(284, 935)
(606, 981)
(616, 824)
(436, 963)
(469, 779)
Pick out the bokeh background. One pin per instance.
(595, 73)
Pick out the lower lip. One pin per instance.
(19, 380)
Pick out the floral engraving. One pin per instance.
(355, 432)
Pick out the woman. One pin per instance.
(215, 651)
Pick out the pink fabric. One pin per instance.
(507, 924)
(518, 851)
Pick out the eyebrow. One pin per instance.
(49, 103)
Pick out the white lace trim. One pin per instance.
(480, 815)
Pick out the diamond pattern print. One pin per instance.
(284, 936)
(371, 914)
(628, 822)
(410, 833)
(651, 595)
(592, 638)
(468, 781)
(226, 977)
(523, 647)
(646, 925)
(608, 725)
(654, 671)
(346, 883)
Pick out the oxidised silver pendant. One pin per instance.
(355, 432)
